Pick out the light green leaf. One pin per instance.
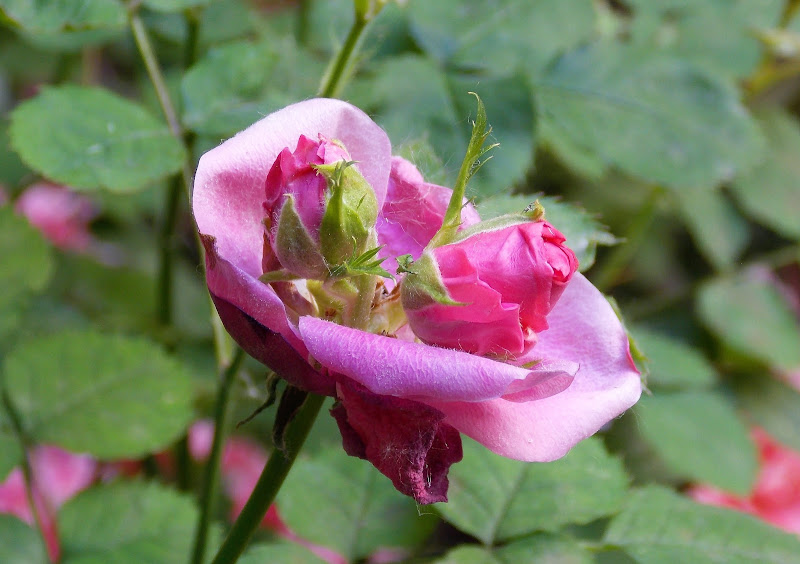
(279, 553)
(500, 36)
(582, 230)
(127, 523)
(770, 192)
(541, 548)
(660, 119)
(751, 317)
(700, 437)
(27, 267)
(672, 363)
(344, 503)
(719, 34)
(495, 498)
(660, 527)
(109, 396)
(437, 106)
(174, 5)
(718, 230)
(53, 16)
(20, 544)
(89, 138)
(773, 405)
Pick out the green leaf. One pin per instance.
(127, 523)
(279, 553)
(495, 498)
(237, 84)
(20, 544)
(718, 230)
(659, 119)
(541, 548)
(89, 138)
(717, 34)
(499, 37)
(109, 396)
(10, 452)
(749, 315)
(672, 363)
(582, 230)
(437, 106)
(773, 405)
(700, 437)
(174, 5)
(344, 503)
(660, 527)
(53, 16)
(27, 267)
(768, 192)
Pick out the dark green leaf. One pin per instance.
(751, 317)
(52, 16)
(769, 191)
(89, 138)
(10, 452)
(718, 34)
(718, 230)
(500, 36)
(672, 363)
(19, 544)
(108, 396)
(541, 548)
(279, 553)
(773, 405)
(699, 437)
(345, 504)
(27, 267)
(582, 230)
(127, 523)
(659, 119)
(661, 527)
(495, 498)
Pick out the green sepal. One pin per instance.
(350, 212)
(469, 166)
(296, 249)
(423, 285)
(533, 213)
(365, 263)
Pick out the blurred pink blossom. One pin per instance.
(63, 216)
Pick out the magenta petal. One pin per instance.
(229, 184)
(404, 439)
(585, 329)
(394, 367)
(271, 349)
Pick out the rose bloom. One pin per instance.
(555, 366)
(776, 495)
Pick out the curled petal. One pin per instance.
(404, 439)
(583, 327)
(393, 367)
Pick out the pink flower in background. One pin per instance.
(776, 495)
(402, 403)
(62, 215)
(58, 476)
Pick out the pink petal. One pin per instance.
(229, 184)
(393, 367)
(583, 329)
(60, 475)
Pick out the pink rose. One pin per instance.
(402, 403)
(507, 280)
(62, 215)
(776, 495)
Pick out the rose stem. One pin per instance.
(27, 470)
(608, 273)
(211, 475)
(270, 481)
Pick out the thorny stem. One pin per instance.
(27, 470)
(609, 272)
(270, 481)
(211, 476)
